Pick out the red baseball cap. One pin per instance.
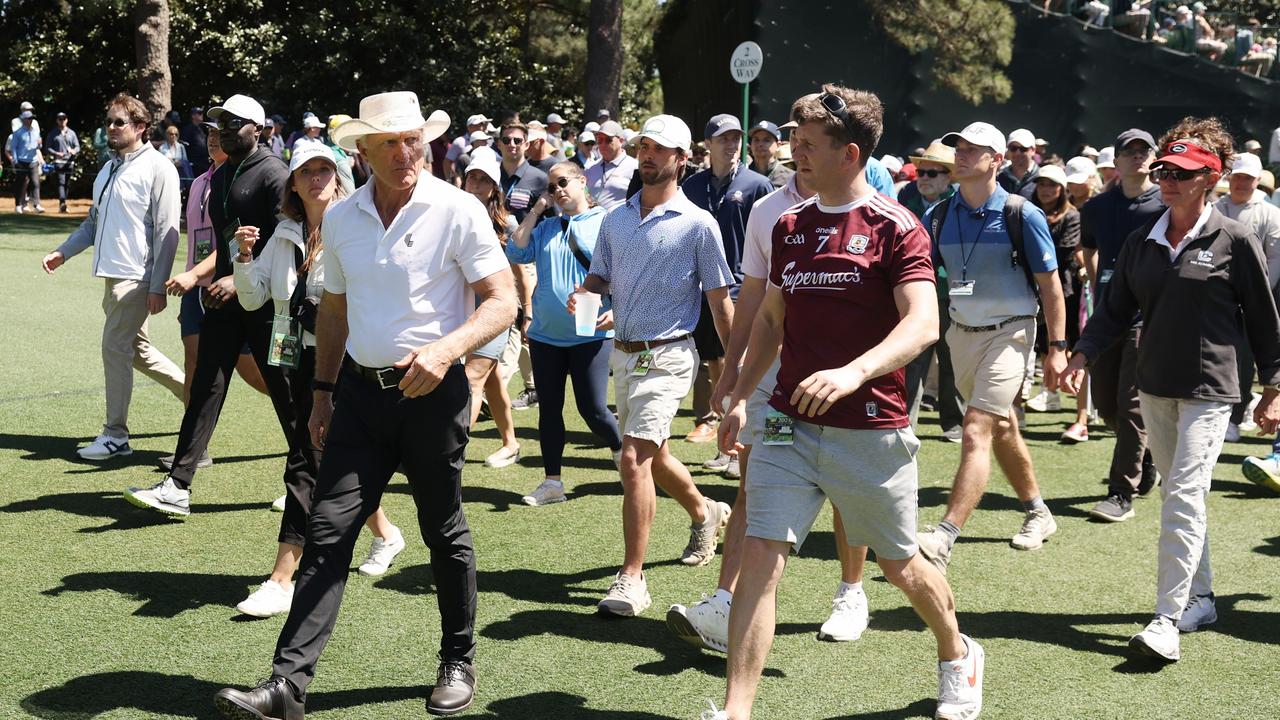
(1188, 155)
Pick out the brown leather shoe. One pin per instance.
(703, 433)
(272, 699)
(455, 688)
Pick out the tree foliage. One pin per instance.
(971, 41)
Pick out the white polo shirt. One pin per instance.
(409, 284)
(758, 246)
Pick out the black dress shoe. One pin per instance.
(455, 688)
(166, 462)
(271, 700)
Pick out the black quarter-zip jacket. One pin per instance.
(1196, 309)
(253, 199)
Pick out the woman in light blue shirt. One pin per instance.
(561, 248)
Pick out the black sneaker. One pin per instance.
(166, 462)
(455, 688)
(1150, 478)
(525, 400)
(1116, 508)
(272, 699)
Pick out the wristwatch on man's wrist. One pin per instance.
(1060, 344)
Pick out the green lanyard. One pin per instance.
(226, 197)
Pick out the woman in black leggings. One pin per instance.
(561, 247)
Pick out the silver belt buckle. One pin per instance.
(382, 382)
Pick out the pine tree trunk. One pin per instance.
(151, 45)
(604, 58)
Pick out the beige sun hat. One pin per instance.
(936, 153)
(390, 112)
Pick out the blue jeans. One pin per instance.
(588, 365)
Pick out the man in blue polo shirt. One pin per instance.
(727, 190)
(992, 333)
(522, 183)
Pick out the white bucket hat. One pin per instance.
(391, 112)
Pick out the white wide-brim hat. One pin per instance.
(391, 112)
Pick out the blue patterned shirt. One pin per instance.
(657, 268)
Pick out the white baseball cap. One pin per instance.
(668, 131)
(1080, 170)
(591, 127)
(477, 136)
(487, 164)
(979, 133)
(312, 122)
(242, 106)
(309, 150)
(477, 120)
(587, 137)
(1023, 137)
(891, 163)
(536, 132)
(26, 106)
(1247, 164)
(554, 119)
(1106, 157)
(1052, 172)
(484, 153)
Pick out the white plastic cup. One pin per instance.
(586, 313)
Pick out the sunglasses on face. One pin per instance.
(117, 122)
(932, 173)
(1176, 174)
(232, 123)
(511, 140)
(1017, 149)
(564, 182)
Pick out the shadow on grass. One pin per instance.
(183, 696)
(1270, 546)
(1066, 630)
(162, 594)
(920, 708)
(559, 705)
(111, 506)
(55, 447)
(581, 588)
(935, 496)
(1241, 490)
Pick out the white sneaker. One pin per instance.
(704, 536)
(1233, 433)
(717, 463)
(503, 457)
(104, 447)
(269, 600)
(1037, 526)
(705, 624)
(848, 618)
(713, 713)
(1264, 471)
(1159, 640)
(628, 596)
(934, 547)
(550, 491)
(277, 505)
(733, 470)
(960, 684)
(1247, 425)
(1045, 402)
(1200, 611)
(1021, 412)
(164, 497)
(381, 553)
(955, 435)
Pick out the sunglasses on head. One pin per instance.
(511, 140)
(1017, 149)
(932, 173)
(1176, 174)
(835, 105)
(117, 122)
(232, 123)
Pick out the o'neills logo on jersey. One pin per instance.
(809, 280)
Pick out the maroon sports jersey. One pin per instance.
(837, 268)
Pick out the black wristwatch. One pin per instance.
(1060, 344)
(322, 386)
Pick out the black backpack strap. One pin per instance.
(574, 246)
(937, 218)
(1013, 225)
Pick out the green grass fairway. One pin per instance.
(112, 612)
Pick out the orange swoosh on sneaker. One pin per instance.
(973, 677)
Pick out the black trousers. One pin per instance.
(587, 365)
(373, 432)
(300, 477)
(1113, 384)
(223, 334)
(950, 406)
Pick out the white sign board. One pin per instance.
(746, 61)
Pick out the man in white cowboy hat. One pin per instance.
(402, 257)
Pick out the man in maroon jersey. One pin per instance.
(851, 300)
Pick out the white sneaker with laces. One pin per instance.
(164, 497)
(277, 505)
(1159, 640)
(269, 600)
(1037, 526)
(955, 435)
(705, 624)
(104, 447)
(1233, 433)
(502, 457)
(381, 554)
(713, 713)
(960, 684)
(1045, 402)
(628, 596)
(1200, 611)
(704, 536)
(848, 618)
(550, 491)
(717, 463)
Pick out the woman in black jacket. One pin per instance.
(1200, 281)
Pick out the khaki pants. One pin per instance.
(125, 346)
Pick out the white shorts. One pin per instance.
(648, 403)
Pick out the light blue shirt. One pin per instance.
(559, 272)
(657, 268)
(976, 247)
(25, 143)
(879, 178)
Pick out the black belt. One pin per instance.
(636, 346)
(988, 328)
(387, 378)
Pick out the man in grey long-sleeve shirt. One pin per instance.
(133, 229)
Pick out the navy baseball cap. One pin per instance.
(1132, 134)
(721, 124)
(769, 128)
